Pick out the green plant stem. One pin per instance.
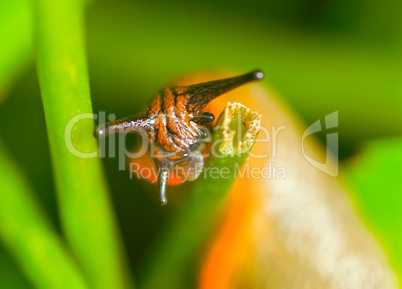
(180, 244)
(28, 235)
(86, 211)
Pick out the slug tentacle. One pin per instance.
(172, 124)
(162, 179)
(131, 124)
(201, 94)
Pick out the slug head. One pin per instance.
(171, 123)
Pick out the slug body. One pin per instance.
(173, 123)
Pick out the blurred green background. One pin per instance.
(320, 56)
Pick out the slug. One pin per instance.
(173, 123)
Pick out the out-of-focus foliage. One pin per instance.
(15, 39)
(321, 56)
(26, 233)
(376, 177)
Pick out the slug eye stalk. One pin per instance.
(172, 121)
